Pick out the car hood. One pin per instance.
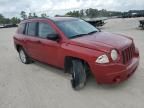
(103, 41)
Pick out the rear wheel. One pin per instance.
(79, 76)
(23, 56)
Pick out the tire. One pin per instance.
(79, 76)
(23, 56)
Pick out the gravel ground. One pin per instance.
(40, 86)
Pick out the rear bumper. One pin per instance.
(115, 73)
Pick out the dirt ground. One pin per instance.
(40, 86)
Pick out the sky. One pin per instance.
(10, 8)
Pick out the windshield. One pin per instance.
(76, 28)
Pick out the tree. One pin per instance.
(30, 15)
(69, 13)
(35, 15)
(73, 14)
(15, 20)
(93, 13)
(81, 13)
(1, 16)
(43, 15)
(4, 20)
(23, 15)
(1, 19)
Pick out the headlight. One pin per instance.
(114, 55)
(102, 59)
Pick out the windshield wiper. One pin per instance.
(92, 32)
(79, 35)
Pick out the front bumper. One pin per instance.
(116, 72)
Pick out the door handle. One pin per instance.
(37, 41)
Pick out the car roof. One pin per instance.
(55, 19)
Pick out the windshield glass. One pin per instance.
(76, 28)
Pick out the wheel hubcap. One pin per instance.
(73, 73)
(22, 56)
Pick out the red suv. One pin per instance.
(77, 47)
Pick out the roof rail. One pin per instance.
(36, 18)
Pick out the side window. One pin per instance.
(31, 30)
(45, 30)
(21, 28)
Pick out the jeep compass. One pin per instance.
(77, 47)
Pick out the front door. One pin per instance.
(49, 49)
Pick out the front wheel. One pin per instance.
(78, 71)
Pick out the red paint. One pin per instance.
(87, 48)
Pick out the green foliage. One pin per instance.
(15, 20)
(1, 19)
(92, 13)
(23, 15)
(34, 15)
(44, 15)
(4, 20)
(73, 13)
(30, 15)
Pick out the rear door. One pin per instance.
(32, 40)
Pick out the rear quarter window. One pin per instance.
(32, 29)
(21, 28)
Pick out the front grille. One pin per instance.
(127, 54)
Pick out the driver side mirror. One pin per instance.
(54, 37)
